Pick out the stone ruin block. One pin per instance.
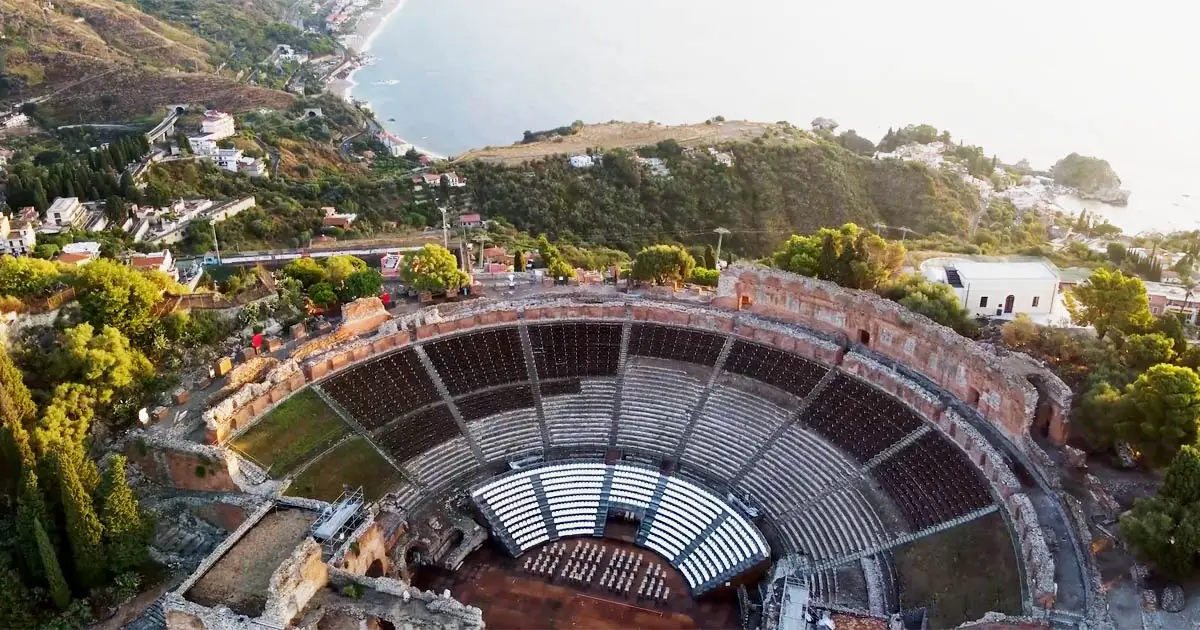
(427, 331)
(247, 353)
(317, 370)
(298, 332)
(324, 327)
(360, 353)
(489, 318)
(338, 361)
(296, 381)
(180, 396)
(160, 413)
(203, 383)
(507, 316)
(223, 366)
(274, 344)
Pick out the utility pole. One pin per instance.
(481, 238)
(721, 232)
(445, 229)
(216, 243)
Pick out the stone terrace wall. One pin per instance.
(973, 373)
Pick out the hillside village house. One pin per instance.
(217, 125)
(998, 289)
(17, 236)
(13, 119)
(156, 261)
(65, 212)
(80, 253)
(5, 156)
(394, 144)
(1172, 298)
(333, 218)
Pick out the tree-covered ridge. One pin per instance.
(1086, 174)
(772, 190)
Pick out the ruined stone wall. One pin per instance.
(370, 545)
(969, 371)
(251, 401)
(1039, 563)
(295, 581)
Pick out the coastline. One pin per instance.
(366, 31)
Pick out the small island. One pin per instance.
(1091, 177)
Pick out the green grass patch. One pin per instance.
(354, 463)
(961, 573)
(292, 433)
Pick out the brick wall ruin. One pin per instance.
(975, 374)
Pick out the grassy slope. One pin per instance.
(961, 573)
(114, 61)
(292, 433)
(354, 463)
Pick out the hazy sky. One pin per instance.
(1022, 78)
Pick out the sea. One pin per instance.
(1024, 78)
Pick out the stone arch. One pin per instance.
(376, 568)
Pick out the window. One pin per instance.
(983, 302)
(1036, 299)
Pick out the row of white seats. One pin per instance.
(507, 435)
(582, 419)
(842, 524)
(796, 467)
(438, 467)
(677, 524)
(656, 406)
(731, 427)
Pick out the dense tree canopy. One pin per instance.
(849, 256)
(1161, 411)
(112, 294)
(432, 268)
(1110, 300)
(661, 264)
(1165, 529)
(935, 300)
(776, 189)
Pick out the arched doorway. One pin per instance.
(1008, 303)
(414, 556)
(376, 569)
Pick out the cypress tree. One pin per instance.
(84, 530)
(710, 257)
(126, 532)
(827, 262)
(39, 197)
(59, 592)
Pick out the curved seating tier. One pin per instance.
(932, 481)
(442, 464)
(480, 359)
(507, 435)
(843, 523)
(656, 406)
(677, 344)
(701, 536)
(784, 370)
(581, 419)
(729, 430)
(794, 469)
(493, 401)
(416, 433)
(575, 349)
(383, 389)
(860, 419)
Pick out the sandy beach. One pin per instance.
(370, 24)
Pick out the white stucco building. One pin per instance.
(998, 289)
(66, 212)
(217, 125)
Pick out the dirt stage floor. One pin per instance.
(513, 597)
